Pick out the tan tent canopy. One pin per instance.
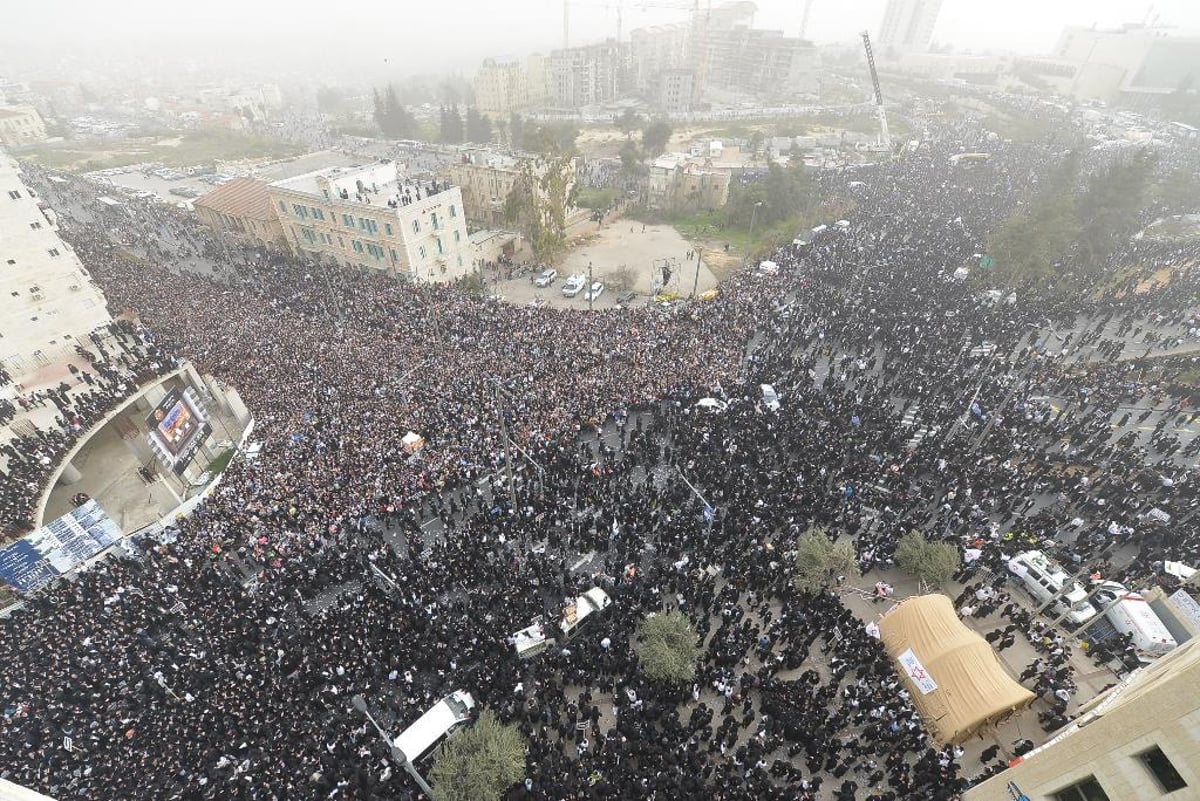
(957, 683)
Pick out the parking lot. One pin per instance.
(624, 244)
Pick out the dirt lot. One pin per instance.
(622, 244)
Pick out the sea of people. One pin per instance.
(173, 680)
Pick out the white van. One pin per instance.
(444, 717)
(1045, 580)
(770, 397)
(1130, 613)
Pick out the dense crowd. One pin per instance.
(174, 681)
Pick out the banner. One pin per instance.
(916, 671)
(58, 547)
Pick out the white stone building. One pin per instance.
(21, 125)
(48, 301)
(372, 217)
(908, 26)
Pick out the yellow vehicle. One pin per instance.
(666, 297)
(711, 294)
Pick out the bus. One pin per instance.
(970, 158)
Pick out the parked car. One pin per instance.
(596, 290)
(545, 278)
(574, 285)
(625, 299)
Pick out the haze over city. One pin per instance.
(790, 400)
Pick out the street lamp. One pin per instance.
(397, 755)
(753, 213)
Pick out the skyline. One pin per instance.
(426, 42)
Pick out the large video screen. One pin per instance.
(177, 427)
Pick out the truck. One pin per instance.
(533, 639)
(1130, 613)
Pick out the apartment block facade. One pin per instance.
(373, 218)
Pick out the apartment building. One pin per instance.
(241, 208)
(504, 86)
(21, 125)
(676, 182)
(48, 301)
(486, 178)
(1139, 741)
(587, 76)
(908, 26)
(372, 217)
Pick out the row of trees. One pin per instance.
(1075, 219)
(397, 122)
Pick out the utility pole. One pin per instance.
(512, 490)
(590, 294)
(753, 214)
(397, 755)
(696, 282)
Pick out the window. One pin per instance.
(394, 259)
(53, 251)
(439, 246)
(416, 226)
(1163, 771)
(457, 237)
(388, 227)
(422, 251)
(434, 220)
(358, 248)
(318, 214)
(14, 194)
(35, 225)
(348, 220)
(1087, 790)
(453, 212)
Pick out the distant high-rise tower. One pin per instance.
(908, 25)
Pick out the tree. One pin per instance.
(631, 158)
(479, 763)
(479, 127)
(393, 119)
(332, 101)
(538, 203)
(451, 125)
(931, 563)
(668, 647)
(1038, 234)
(820, 560)
(516, 131)
(628, 122)
(655, 137)
(472, 284)
(1110, 206)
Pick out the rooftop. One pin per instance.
(380, 185)
(241, 197)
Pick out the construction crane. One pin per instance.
(885, 140)
(804, 20)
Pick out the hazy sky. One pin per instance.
(455, 34)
